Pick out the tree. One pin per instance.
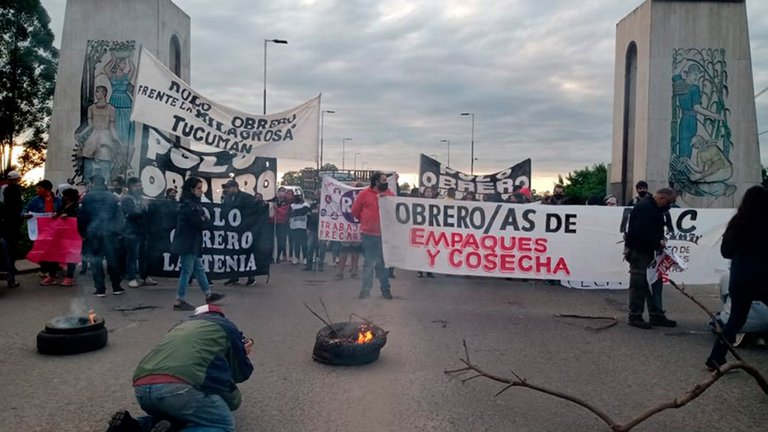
(329, 167)
(587, 182)
(28, 63)
(291, 178)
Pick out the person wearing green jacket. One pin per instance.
(188, 380)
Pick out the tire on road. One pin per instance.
(62, 344)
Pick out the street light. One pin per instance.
(322, 122)
(344, 151)
(277, 41)
(355, 158)
(449, 149)
(472, 148)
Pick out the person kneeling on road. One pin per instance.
(187, 381)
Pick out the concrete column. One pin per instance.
(684, 114)
(98, 59)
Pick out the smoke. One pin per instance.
(77, 307)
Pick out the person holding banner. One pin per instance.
(366, 209)
(645, 237)
(44, 203)
(188, 244)
(234, 198)
(745, 243)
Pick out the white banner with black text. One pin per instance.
(539, 242)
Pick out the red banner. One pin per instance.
(57, 241)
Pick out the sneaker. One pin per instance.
(387, 295)
(122, 421)
(214, 297)
(294, 261)
(339, 276)
(99, 294)
(118, 291)
(430, 275)
(232, 281)
(639, 323)
(163, 426)
(67, 282)
(419, 274)
(149, 281)
(134, 283)
(13, 284)
(49, 280)
(363, 294)
(183, 306)
(250, 282)
(662, 321)
(335, 260)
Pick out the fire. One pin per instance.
(364, 337)
(92, 316)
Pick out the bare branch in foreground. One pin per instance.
(679, 402)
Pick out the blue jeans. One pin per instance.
(374, 258)
(131, 256)
(191, 263)
(183, 404)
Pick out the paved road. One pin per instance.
(508, 326)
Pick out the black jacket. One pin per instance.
(191, 219)
(646, 226)
(13, 204)
(134, 208)
(239, 200)
(746, 245)
(99, 215)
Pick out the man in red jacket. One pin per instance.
(366, 209)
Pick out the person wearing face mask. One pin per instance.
(281, 206)
(643, 239)
(558, 195)
(642, 191)
(366, 209)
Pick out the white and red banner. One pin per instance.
(164, 101)
(336, 220)
(539, 242)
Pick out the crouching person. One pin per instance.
(187, 381)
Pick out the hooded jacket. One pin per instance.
(205, 351)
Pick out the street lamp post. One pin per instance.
(355, 159)
(472, 148)
(449, 149)
(344, 151)
(277, 41)
(322, 122)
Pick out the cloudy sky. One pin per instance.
(537, 74)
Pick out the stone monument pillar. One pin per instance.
(684, 105)
(91, 131)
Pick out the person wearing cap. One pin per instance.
(188, 381)
(642, 191)
(13, 204)
(234, 198)
(610, 201)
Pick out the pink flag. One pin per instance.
(57, 241)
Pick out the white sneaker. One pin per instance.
(294, 261)
(150, 281)
(134, 283)
(305, 261)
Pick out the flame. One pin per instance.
(364, 337)
(92, 316)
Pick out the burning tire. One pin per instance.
(72, 335)
(349, 343)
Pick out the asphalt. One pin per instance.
(508, 326)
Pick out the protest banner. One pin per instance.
(539, 242)
(57, 241)
(32, 229)
(433, 174)
(664, 263)
(236, 242)
(602, 285)
(165, 165)
(336, 220)
(164, 101)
